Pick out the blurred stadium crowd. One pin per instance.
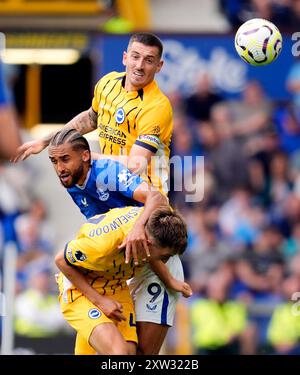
(284, 13)
(243, 257)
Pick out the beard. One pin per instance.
(73, 178)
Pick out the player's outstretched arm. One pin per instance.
(170, 282)
(84, 123)
(112, 309)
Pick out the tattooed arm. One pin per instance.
(84, 123)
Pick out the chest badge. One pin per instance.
(120, 116)
(102, 194)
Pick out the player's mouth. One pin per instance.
(65, 179)
(138, 74)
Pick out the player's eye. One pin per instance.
(165, 258)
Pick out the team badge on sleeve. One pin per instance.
(156, 130)
(80, 256)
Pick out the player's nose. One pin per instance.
(60, 167)
(140, 64)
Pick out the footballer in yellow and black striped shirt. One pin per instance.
(132, 111)
(96, 254)
(132, 115)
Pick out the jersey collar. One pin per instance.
(140, 92)
(82, 187)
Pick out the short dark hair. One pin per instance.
(168, 229)
(72, 136)
(149, 40)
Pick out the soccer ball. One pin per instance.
(258, 42)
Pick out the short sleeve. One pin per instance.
(86, 253)
(95, 101)
(154, 127)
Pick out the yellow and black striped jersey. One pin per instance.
(95, 252)
(142, 117)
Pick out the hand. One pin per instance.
(186, 290)
(136, 244)
(27, 149)
(111, 308)
(182, 287)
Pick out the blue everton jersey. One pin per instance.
(109, 184)
(3, 92)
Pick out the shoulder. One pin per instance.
(106, 163)
(109, 173)
(112, 76)
(154, 92)
(158, 111)
(155, 97)
(101, 163)
(158, 106)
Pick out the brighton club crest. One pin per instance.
(120, 116)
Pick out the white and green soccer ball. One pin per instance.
(258, 42)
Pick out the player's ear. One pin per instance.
(86, 155)
(124, 58)
(159, 66)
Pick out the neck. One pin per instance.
(82, 179)
(129, 87)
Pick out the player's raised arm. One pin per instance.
(84, 122)
(170, 282)
(139, 158)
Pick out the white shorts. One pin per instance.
(153, 302)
